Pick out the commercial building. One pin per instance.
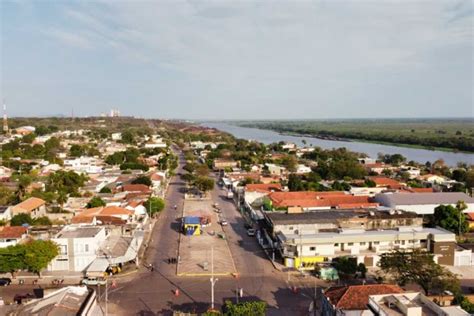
(306, 239)
(424, 203)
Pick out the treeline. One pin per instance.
(459, 141)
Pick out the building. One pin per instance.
(353, 300)
(275, 170)
(78, 247)
(424, 203)
(310, 200)
(409, 304)
(104, 214)
(33, 206)
(12, 235)
(221, 164)
(306, 239)
(66, 301)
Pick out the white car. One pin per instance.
(224, 222)
(251, 232)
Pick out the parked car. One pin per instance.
(251, 232)
(5, 281)
(224, 222)
(94, 281)
(247, 225)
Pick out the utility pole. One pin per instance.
(106, 297)
(213, 281)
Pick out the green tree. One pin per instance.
(417, 266)
(6, 195)
(362, 269)
(154, 205)
(290, 163)
(42, 221)
(20, 219)
(128, 137)
(142, 180)
(105, 190)
(204, 184)
(345, 266)
(95, 202)
(39, 253)
(76, 150)
(255, 308)
(12, 258)
(450, 218)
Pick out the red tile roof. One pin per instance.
(28, 205)
(356, 297)
(386, 182)
(262, 187)
(320, 199)
(12, 231)
(135, 188)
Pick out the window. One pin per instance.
(312, 248)
(362, 243)
(350, 244)
(397, 242)
(290, 228)
(63, 249)
(86, 248)
(336, 245)
(376, 242)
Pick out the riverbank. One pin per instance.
(420, 155)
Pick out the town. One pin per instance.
(120, 216)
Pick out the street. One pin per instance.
(154, 293)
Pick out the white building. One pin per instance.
(84, 165)
(275, 169)
(79, 246)
(424, 203)
(302, 169)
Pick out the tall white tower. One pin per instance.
(5, 119)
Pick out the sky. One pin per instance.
(238, 59)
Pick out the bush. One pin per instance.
(95, 202)
(142, 180)
(105, 190)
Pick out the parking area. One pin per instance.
(196, 250)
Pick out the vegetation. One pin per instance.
(154, 205)
(417, 266)
(96, 202)
(451, 218)
(24, 218)
(143, 180)
(431, 133)
(33, 256)
(255, 308)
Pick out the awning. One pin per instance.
(97, 267)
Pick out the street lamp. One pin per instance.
(213, 281)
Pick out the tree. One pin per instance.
(346, 266)
(362, 269)
(12, 258)
(6, 195)
(39, 253)
(128, 137)
(202, 170)
(451, 218)
(142, 180)
(76, 150)
(95, 202)
(295, 183)
(204, 184)
(20, 219)
(370, 183)
(42, 221)
(417, 266)
(154, 205)
(290, 163)
(105, 190)
(255, 308)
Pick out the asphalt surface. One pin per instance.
(154, 292)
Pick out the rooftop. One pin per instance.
(418, 198)
(12, 231)
(356, 297)
(28, 205)
(78, 232)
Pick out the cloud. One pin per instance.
(70, 38)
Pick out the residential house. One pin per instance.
(69, 300)
(412, 172)
(5, 173)
(424, 203)
(354, 299)
(78, 247)
(34, 206)
(221, 164)
(103, 215)
(302, 169)
(275, 170)
(25, 130)
(12, 235)
(5, 213)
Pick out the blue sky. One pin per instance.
(238, 59)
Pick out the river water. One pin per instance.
(268, 137)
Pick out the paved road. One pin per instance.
(152, 293)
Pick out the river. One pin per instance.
(268, 137)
